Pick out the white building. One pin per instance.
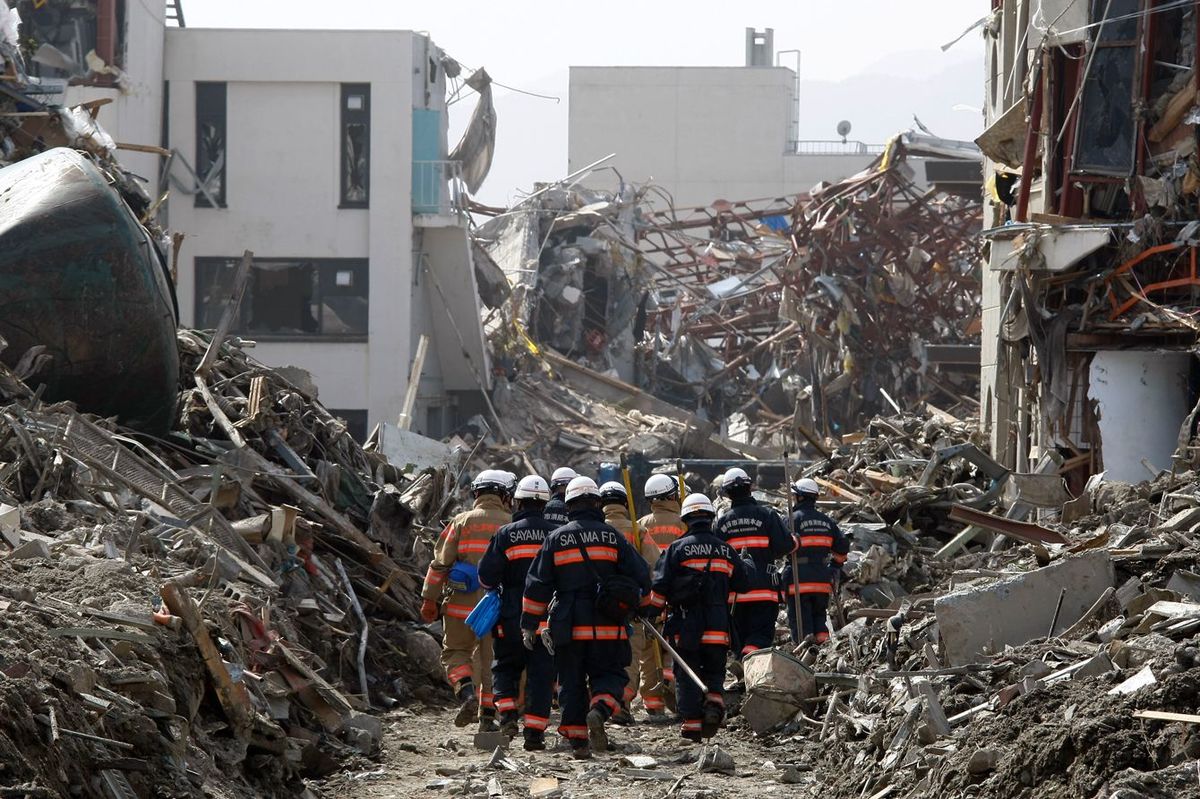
(703, 133)
(325, 153)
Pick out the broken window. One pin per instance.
(288, 298)
(356, 145)
(79, 42)
(210, 144)
(1107, 124)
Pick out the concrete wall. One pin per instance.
(1143, 399)
(282, 184)
(702, 133)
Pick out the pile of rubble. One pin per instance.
(1054, 658)
(743, 311)
(209, 612)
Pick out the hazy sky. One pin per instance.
(875, 62)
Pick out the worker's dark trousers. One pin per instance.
(753, 626)
(590, 674)
(813, 610)
(709, 663)
(512, 658)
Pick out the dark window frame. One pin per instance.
(108, 38)
(1089, 156)
(351, 119)
(212, 99)
(206, 281)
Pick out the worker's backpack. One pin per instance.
(618, 597)
(690, 587)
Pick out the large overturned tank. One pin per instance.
(80, 275)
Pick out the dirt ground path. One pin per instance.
(424, 755)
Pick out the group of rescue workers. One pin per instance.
(579, 583)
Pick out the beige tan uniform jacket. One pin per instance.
(465, 657)
(643, 665)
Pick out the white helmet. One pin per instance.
(562, 475)
(697, 503)
(492, 480)
(660, 486)
(613, 490)
(582, 487)
(806, 485)
(735, 478)
(532, 487)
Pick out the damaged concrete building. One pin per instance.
(336, 171)
(1089, 280)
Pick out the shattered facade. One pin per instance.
(1090, 263)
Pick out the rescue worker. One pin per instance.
(642, 667)
(556, 508)
(452, 589)
(586, 568)
(759, 535)
(823, 550)
(663, 522)
(693, 578)
(504, 567)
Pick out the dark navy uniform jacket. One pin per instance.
(706, 619)
(559, 572)
(823, 549)
(508, 557)
(555, 512)
(759, 531)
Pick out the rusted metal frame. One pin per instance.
(1032, 134)
(1127, 267)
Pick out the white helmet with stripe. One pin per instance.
(614, 491)
(659, 486)
(806, 486)
(491, 481)
(735, 478)
(562, 475)
(697, 503)
(532, 487)
(582, 487)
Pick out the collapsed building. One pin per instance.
(1089, 279)
(743, 312)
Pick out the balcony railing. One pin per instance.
(833, 147)
(437, 188)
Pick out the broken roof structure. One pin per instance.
(742, 312)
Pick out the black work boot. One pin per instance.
(468, 707)
(714, 714)
(597, 737)
(580, 750)
(509, 724)
(535, 740)
(487, 720)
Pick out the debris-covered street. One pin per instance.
(719, 461)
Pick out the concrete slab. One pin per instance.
(1018, 609)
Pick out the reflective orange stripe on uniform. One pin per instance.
(656, 599)
(434, 577)
(810, 588)
(598, 633)
(761, 595)
(472, 547)
(750, 542)
(715, 637)
(532, 607)
(458, 611)
(721, 566)
(460, 673)
(522, 552)
(576, 556)
(839, 557)
(572, 732)
(816, 540)
(533, 722)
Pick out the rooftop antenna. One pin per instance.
(843, 129)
